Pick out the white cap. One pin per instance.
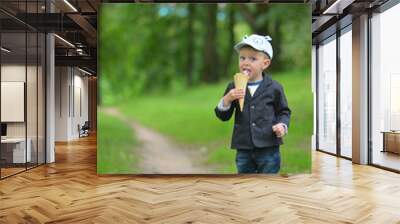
(258, 42)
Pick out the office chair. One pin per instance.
(84, 130)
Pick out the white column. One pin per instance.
(50, 92)
(360, 90)
(50, 110)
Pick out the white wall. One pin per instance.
(14, 73)
(71, 94)
(33, 126)
(17, 73)
(12, 101)
(61, 103)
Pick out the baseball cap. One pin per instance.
(258, 42)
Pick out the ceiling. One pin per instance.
(74, 22)
(330, 15)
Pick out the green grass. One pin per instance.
(225, 158)
(296, 152)
(188, 117)
(116, 143)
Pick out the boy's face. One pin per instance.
(252, 63)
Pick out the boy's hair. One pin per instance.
(257, 42)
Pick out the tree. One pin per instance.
(210, 56)
(286, 26)
(190, 45)
(259, 18)
(230, 24)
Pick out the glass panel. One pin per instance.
(31, 101)
(31, 97)
(314, 91)
(41, 99)
(386, 89)
(346, 94)
(15, 8)
(13, 87)
(23, 83)
(327, 96)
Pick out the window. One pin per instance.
(346, 92)
(327, 95)
(385, 87)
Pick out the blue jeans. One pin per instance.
(258, 160)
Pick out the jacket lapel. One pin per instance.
(248, 96)
(266, 82)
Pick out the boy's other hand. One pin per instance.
(279, 130)
(232, 95)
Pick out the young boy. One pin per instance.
(259, 128)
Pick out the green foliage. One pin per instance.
(116, 143)
(296, 38)
(296, 154)
(144, 47)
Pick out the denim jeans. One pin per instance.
(258, 160)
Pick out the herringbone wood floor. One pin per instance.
(69, 191)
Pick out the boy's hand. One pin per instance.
(279, 130)
(232, 95)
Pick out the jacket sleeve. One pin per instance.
(226, 115)
(282, 110)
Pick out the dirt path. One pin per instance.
(157, 154)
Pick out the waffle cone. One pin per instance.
(240, 81)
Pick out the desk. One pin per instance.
(391, 141)
(17, 150)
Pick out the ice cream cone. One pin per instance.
(240, 83)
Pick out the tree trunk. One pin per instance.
(210, 46)
(190, 46)
(231, 41)
(276, 44)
